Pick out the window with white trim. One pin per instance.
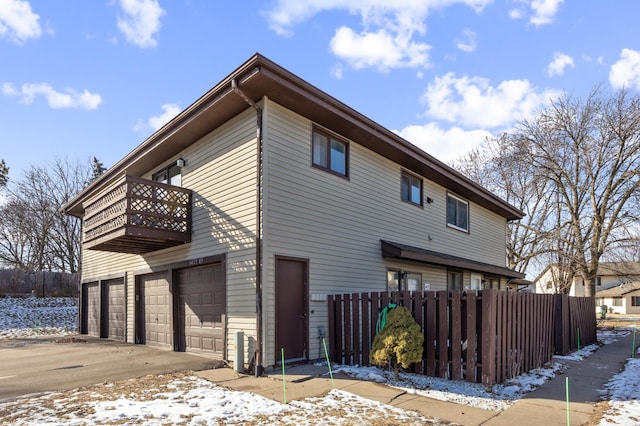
(457, 213)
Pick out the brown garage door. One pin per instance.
(202, 310)
(113, 309)
(153, 310)
(91, 309)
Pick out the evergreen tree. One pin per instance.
(400, 342)
(97, 169)
(4, 173)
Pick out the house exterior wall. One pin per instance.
(577, 286)
(221, 172)
(626, 304)
(337, 223)
(334, 223)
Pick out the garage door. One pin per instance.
(202, 310)
(113, 309)
(153, 307)
(91, 309)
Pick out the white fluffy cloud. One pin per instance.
(389, 28)
(140, 22)
(540, 12)
(473, 103)
(379, 49)
(18, 23)
(69, 98)
(626, 72)
(467, 41)
(559, 63)
(157, 121)
(444, 144)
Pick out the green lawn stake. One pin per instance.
(326, 353)
(284, 379)
(567, 386)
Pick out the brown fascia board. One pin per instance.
(401, 251)
(259, 77)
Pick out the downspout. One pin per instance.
(239, 92)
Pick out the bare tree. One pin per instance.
(574, 170)
(503, 166)
(589, 151)
(35, 235)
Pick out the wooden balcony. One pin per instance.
(138, 216)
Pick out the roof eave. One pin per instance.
(259, 77)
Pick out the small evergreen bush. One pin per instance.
(399, 343)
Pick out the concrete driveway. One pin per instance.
(34, 366)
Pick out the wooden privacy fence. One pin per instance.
(486, 336)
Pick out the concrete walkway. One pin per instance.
(547, 404)
(544, 406)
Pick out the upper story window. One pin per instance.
(457, 213)
(330, 153)
(411, 189)
(171, 175)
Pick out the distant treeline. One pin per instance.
(15, 282)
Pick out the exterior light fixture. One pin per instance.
(180, 162)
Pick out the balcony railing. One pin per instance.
(138, 216)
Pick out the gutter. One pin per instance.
(259, 357)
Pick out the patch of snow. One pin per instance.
(37, 316)
(191, 400)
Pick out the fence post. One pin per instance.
(489, 337)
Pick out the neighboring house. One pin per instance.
(252, 205)
(621, 299)
(610, 274)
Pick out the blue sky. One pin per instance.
(85, 78)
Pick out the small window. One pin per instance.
(476, 282)
(454, 280)
(411, 189)
(617, 301)
(598, 280)
(599, 301)
(330, 154)
(403, 280)
(171, 175)
(457, 213)
(635, 300)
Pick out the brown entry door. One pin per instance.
(291, 309)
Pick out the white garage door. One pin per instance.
(114, 308)
(91, 309)
(153, 303)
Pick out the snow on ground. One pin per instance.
(624, 390)
(186, 399)
(34, 316)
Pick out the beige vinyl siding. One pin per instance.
(338, 223)
(221, 172)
